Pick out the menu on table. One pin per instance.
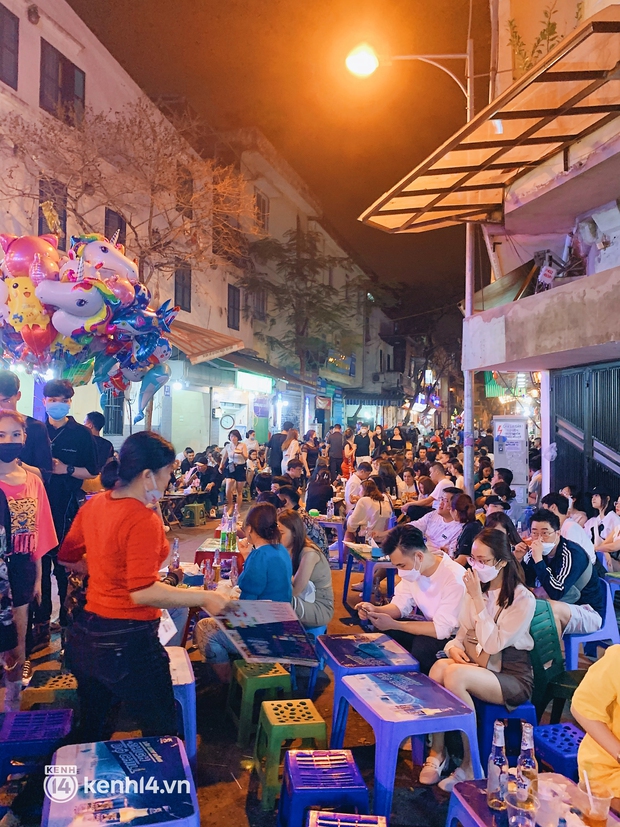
(399, 696)
(267, 632)
(374, 649)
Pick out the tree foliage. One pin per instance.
(178, 206)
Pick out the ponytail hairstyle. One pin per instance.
(263, 519)
(497, 543)
(144, 451)
(464, 507)
(504, 491)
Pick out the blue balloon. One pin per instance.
(155, 379)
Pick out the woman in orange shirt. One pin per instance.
(113, 647)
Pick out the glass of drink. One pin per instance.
(595, 808)
(521, 813)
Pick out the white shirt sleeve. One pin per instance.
(403, 599)
(359, 515)
(422, 523)
(446, 618)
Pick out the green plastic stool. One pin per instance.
(45, 685)
(251, 678)
(281, 721)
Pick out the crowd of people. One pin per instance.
(470, 567)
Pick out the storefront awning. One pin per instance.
(258, 366)
(201, 345)
(570, 93)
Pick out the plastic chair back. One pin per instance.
(546, 656)
(602, 560)
(608, 631)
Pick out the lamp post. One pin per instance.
(363, 61)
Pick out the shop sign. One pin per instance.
(262, 405)
(253, 382)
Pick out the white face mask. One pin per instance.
(411, 575)
(153, 495)
(547, 548)
(485, 572)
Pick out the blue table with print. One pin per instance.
(362, 654)
(399, 706)
(362, 553)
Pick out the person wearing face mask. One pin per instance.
(112, 645)
(74, 460)
(364, 445)
(488, 659)
(429, 581)
(569, 529)
(32, 536)
(566, 575)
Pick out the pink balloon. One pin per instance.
(20, 252)
(122, 289)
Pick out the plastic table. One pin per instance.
(362, 654)
(399, 706)
(134, 779)
(362, 553)
(338, 525)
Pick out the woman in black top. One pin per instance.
(320, 492)
(310, 450)
(463, 511)
(397, 443)
(380, 440)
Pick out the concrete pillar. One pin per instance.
(545, 428)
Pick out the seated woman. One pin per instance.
(266, 575)
(596, 708)
(319, 492)
(313, 594)
(371, 513)
(463, 511)
(489, 658)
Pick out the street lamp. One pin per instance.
(363, 61)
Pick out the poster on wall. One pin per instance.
(262, 405)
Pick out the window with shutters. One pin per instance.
(183, 288)
(262, 210)
(52, 203)
(234, 307)
(114, 411)
(62, 86)
(9, 46)
(114, 221)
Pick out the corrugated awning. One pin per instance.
(379, 399)
(201, 345)
(571, 92)
(258, 366)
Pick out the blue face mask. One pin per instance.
(57, 410)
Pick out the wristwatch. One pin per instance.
(70, 470)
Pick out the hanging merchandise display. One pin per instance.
(82, 315)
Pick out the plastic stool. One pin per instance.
(319, 819)
(184, 686)
(608, 631)
(31, 734)
(320, 778)
(281, 721)
(252, 678)
(44, 685)
(487, 714)
(557, 745)
(468, 805)
(194, 514)
(314, 633)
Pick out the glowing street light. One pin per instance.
(362, 61)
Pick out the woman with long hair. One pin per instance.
(605, 520)
(313, 593)
(233, 465)
(348, 454)
(380, 442)
(396, 443)
(320, 491)
(372, 511)
(455, 470)
(463, 511)
(488, 659)
(290, 449)
(309, 452)
(388, 475)
(113, 647)
(266, 575)
(502, 522)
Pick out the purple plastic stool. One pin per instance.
(320, 778)
(557, 745)
(319, 819)
(24, 734)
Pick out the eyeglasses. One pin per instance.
(535, 533)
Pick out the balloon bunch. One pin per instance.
(83, 316)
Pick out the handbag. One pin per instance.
(474, 651)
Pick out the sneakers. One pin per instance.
(358, 587)
(26, 672)
(432, 769)
(457, 776)
(213, 514)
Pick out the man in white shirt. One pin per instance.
(440, 530)
(433, 583)
(353, 488)
(438, 476)
(569, 529)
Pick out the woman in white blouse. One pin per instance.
(488, 659)
(372, 511)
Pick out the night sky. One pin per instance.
(279, 65)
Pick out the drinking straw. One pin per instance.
(588, 789)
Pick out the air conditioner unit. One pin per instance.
(376, 377)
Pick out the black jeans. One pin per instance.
(120, 660)
(335, 464)
(423, 648)
(43, 612)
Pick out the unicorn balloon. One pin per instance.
(82, 308)
(102, 258)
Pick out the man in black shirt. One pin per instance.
(362, 442)
(274, 447)
(104, 449)
(74, 460)
(335, 445)
(188, 462)
(37, 453)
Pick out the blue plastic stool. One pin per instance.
(557, 745)
(320, 778)
(468, 805)
(30, 734)
(487, 714)
(319, 819)
(608, 631)
(184, 686)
